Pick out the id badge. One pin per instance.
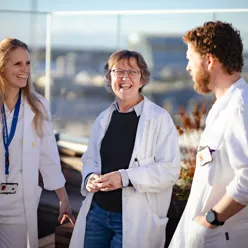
(204, 155)
(8, 188)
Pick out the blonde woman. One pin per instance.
(27, 146)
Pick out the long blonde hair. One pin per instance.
(6, 47)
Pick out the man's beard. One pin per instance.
(202, 81)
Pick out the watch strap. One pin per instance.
(215, 221)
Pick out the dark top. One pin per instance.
(116, 151)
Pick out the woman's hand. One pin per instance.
(110, 181)
(65, 212)
(64, 209)
(91, 184)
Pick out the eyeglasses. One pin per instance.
(121, 73)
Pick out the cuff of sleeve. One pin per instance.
(124, 178)
(86, 178)
(231, 190)
(55, 184)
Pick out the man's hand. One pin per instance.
(110, 181)
(201, 220)
(91, 185)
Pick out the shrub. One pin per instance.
(190, 131)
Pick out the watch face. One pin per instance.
(210, 217)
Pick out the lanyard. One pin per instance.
(7, 139)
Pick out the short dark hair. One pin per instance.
(221, 40)
(126, 54)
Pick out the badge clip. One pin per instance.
(8, 188)
(205, 155)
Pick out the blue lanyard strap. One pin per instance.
(7, 139)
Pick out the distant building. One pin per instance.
(165, 54)
(245, 54)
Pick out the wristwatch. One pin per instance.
(211, 217)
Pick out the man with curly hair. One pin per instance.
(216, 215)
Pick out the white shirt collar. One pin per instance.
(223, 100)
(137, 108)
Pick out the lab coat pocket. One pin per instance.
(203, 237)
(237, 235)
(160, 220)
(158, 229)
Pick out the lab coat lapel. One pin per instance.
(28, 116)
(28, 138)
(105, 119)
(140, 130)
(29, 168)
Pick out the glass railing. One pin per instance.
(30, 28)
(74, 46)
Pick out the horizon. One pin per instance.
(110, 31)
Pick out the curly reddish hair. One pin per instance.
(221, 40)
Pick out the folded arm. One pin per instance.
(163, 171)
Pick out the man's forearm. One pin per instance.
(227, 207)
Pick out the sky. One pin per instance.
(98, 31)
(75, 5)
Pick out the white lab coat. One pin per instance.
(38, 154)
(227, 133)
(144, 205)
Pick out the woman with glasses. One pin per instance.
(27, 146)
(130, 166)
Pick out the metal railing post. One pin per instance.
(118, 38)
(48, 57)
